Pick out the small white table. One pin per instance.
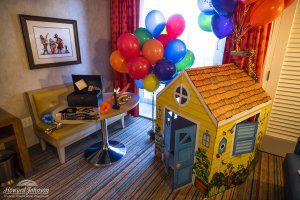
(106, 152)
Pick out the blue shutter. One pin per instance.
(245, 136)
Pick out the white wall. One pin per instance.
(93, 21)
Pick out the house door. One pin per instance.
(184, 155)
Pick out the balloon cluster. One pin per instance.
(217, 15)
(154, 54)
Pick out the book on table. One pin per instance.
(79, 113)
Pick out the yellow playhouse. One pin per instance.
(212, 120)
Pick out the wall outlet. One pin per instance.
(26, 122)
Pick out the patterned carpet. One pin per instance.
(139, 175)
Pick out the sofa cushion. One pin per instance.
(291, 165)
(47, 101)
(67, 130)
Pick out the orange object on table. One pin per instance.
(105, 106)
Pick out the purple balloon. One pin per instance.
(206, 7)
(221, 26)
(224, 7)
(164, 70)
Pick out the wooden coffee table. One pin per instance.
(107, 151)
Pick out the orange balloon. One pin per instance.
(153, 51)
(264, 12)
(118, 62)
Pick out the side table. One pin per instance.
(11, 130)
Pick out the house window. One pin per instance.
(206, 139)
(245, 136)
(181, 95)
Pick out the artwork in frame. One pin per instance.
(50, 42)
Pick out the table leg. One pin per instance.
(106, 152)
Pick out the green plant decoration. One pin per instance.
(159, 140)
(201, 166)
(231, 177)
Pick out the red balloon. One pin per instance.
(128, 45)
(175, 26)
(287, 3)
(264, 12)
(164, 39)
(138, 67)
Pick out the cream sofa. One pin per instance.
(44, 101)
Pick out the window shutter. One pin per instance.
(245, 135)
(284, 121)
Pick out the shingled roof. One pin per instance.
(227, 90)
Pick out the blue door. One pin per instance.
(184, 155)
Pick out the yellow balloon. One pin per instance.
(164, 31)
(150, 83)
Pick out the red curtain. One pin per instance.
(257, 38)
(124, 19)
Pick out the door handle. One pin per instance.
(178, 165)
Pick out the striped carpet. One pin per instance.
(139, 175)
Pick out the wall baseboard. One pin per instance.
(277, 146)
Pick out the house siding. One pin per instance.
(193, 111)
(227, 156)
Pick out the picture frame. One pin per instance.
(50, 42)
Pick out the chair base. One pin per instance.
(99, 156)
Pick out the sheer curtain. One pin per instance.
(124, 18)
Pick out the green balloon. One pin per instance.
(143, 35)
(204, 22)
(186, 62)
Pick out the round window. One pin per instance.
(181, 95)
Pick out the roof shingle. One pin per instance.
(227, 90)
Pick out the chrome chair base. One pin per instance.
(99, 155)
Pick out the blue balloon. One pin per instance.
(224, 7)
(175, 51)
(221, 26)
(139, 83)
(155, 22)
(164, 70)
(206, 7)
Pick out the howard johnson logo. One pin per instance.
(26, 188)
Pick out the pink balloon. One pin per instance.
(138, 67)
(175, 26)
(128, 45)
(164, 39)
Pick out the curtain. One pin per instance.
(124, 19)
(257, 38)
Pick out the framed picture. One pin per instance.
(50, 42)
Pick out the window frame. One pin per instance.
(187, 97)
